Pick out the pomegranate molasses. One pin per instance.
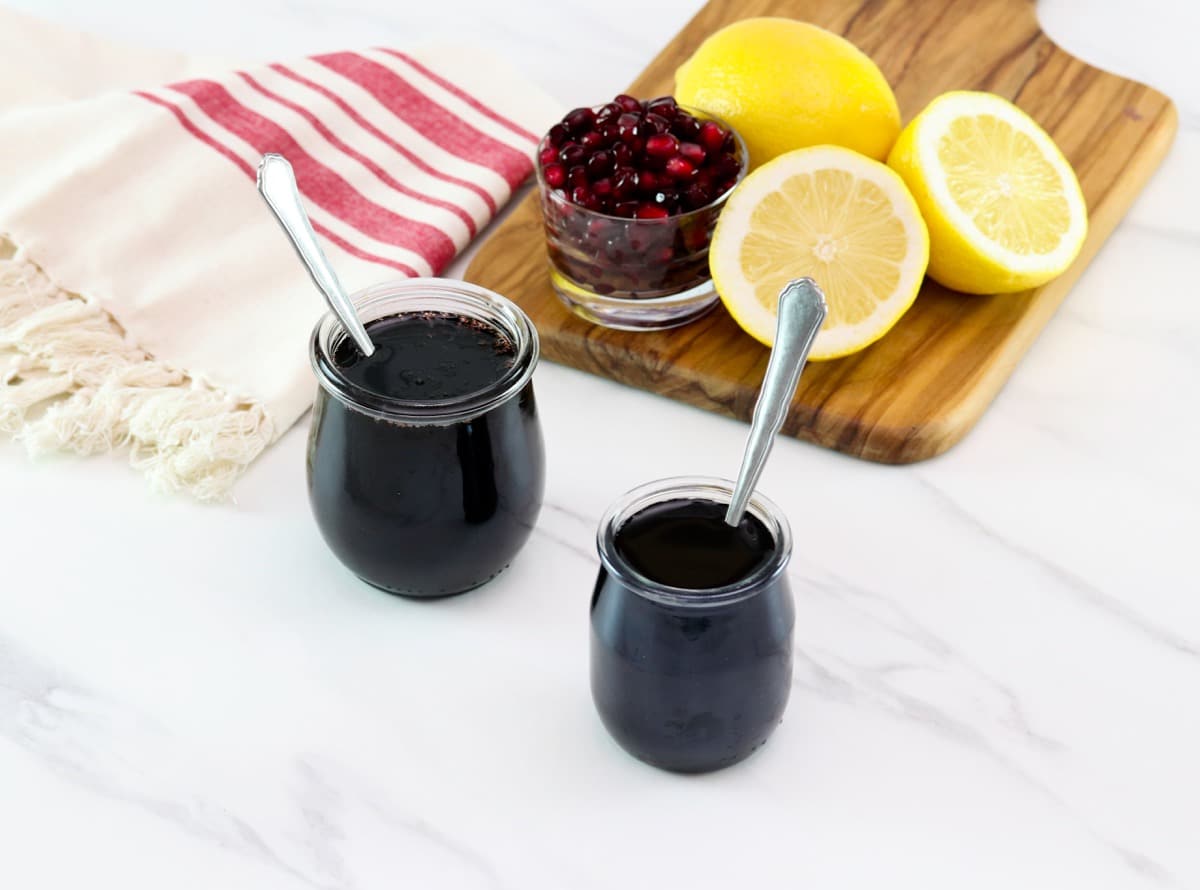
(687, 544)
(421, 356)
(691, 625)
(425, 460)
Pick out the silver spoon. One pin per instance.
(277, 185)
(801, 311)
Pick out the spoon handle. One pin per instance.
(801, 311)
(277, 185)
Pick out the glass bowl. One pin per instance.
(633, 274)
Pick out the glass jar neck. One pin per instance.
(427, 295)
(700, 488)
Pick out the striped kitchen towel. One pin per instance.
(147, 299)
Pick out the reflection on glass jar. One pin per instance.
(691, 675)
(425, 462)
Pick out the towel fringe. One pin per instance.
(71, 381)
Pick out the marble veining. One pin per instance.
(131, 759)
(1064, 579)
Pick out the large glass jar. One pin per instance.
(426, 498)
(691, 680)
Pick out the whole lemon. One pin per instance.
(784, 84)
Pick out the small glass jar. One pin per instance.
(426, 498)
(691, 680)
(633, 274)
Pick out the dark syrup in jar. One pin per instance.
(686, 543)
(425, 356)
(699, 685)
(426, 509)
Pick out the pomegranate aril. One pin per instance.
(622, 154)
(725, 167)
(625, 182)
(663, 105)
(626, 209)
(698, 195)
(597, 229)
(577, 176)
(579, 193)
(628, 103)
(627, 127)
(609, 110)
(599, 164)
(650, 163)
(602, 187)
(649, 181)
(711, 136)
(651, 211)
(686, 127)
(662, 145)
(652, 124)
(680, 168)
(608, 133)
(547, 155)
(572, 153)
(693, 152)
(662, 256)
(591, 140)
(726, 185)
(580, 120)
(558, 135)
(555, 175)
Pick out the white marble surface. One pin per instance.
(999, 679)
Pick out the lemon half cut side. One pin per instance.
(835, 216)
(1004, 208)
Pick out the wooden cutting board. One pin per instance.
(917, 391)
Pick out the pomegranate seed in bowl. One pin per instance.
(631, 191)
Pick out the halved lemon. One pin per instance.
(831, 214)
(1004, 208)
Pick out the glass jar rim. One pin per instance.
(427, 295)
(742, 151)
(705, 488)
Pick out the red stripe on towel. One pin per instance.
(431, 120)
(322, 186)
(417, 161)
(337, 143)
(465, 96)
(249, 171)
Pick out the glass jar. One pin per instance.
(426, 498)
(691, 680)
(633, 274)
